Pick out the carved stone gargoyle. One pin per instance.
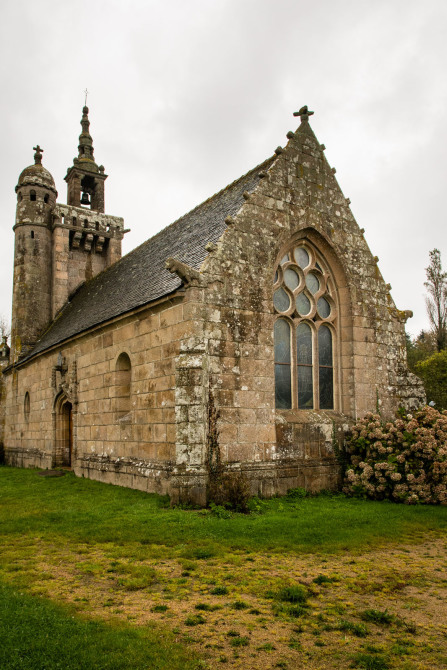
(187, 274)
(402, 314)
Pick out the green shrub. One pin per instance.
(219, 591)
(292, 594)
(357, 629)
(159, 608)
(231, 490)
(376, 616)
(206, 607)
(370, 662)
(404, 460)
(239, 641)
(296, 493)
(324, 579)
(194, 620)
(433, 372)
(220, 511)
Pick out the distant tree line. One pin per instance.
(427, 353)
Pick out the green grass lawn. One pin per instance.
(38, 635)
(70, 508)
(123, 543)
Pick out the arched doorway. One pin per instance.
(64, 433)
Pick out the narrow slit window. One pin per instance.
(26, 406)
(123, 373)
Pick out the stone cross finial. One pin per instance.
(304, 113)
(38, 155)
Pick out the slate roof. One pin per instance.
(141, 277)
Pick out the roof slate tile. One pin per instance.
(140, 277)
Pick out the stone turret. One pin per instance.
(31, 306)
(58, 247)
(85, 180)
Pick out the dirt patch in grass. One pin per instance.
(383, 608)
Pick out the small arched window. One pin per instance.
(304, 298)
(32, 195)
(123, 374)
(26, 406)
(46, 197)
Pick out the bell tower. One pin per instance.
(58, 246)
(85, 180)
(31, 300)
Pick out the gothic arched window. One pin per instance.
(304, 299)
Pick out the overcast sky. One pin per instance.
(187, 95)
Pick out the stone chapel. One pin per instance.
(264, 300)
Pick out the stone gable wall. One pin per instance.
(298, 199)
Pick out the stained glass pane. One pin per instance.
(291, 279)
(324, 308)
(281, 300)
(301, 257)
(282, 341)
(304, 344)
(305, 387)
(326, 388)
(312, 283)
(283, 387)
(325, 346)
(302, 304)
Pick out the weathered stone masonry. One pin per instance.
(118, 385)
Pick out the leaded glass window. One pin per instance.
(304, 299)
(283, 390)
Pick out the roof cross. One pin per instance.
(304, 113)
(86, 94)
(38, 155)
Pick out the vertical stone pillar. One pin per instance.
(191, 398)
(60, 266)
(114, 248)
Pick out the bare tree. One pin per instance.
(436, 300)
(5, 328)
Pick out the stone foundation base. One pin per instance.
(266, 479)
(188, 486)
(130, 473)
(28, 458)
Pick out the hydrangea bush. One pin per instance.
(404, 460)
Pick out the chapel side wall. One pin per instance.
(137, 450)
(28, 441)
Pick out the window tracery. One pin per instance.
(305, 302)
